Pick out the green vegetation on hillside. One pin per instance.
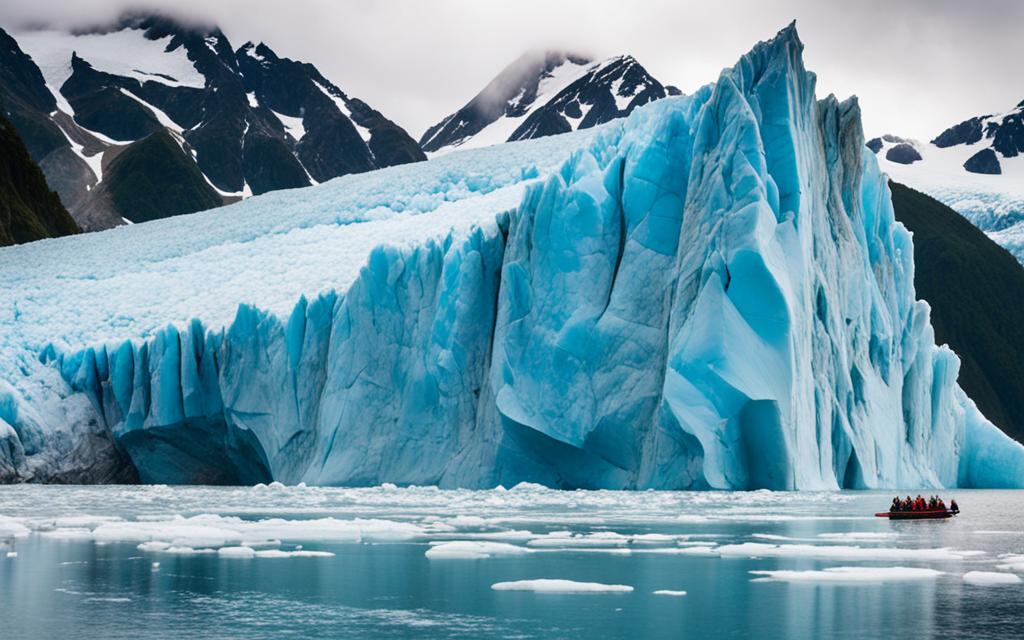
(153, 178)
(976, 291)
(28, 209)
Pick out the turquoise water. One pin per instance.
(84, 564)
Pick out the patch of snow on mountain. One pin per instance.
(292, 125)
(551, 85)
(364, 133)
(125, 53)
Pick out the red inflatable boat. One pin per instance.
(917, 515)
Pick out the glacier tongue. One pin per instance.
(712, 293)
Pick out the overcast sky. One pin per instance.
(918, 66)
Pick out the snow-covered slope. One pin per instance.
(712, 292)
(543, 94)
(127, 53)
(237, 119)
(976, 168)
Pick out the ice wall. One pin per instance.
(711, 294)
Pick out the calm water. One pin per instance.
(149, 562)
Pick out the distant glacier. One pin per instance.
(712, 293)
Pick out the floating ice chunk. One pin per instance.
(1016, 567)
(12, 528)
(772, 536)
(510, 535)
(236, 552)
(986, 578)
(669, 592)
(70, 533)
(187, 551)
(81, 522)
(860, 535)
(468, 521)
(278, 553)
(155, 566)
(1011, 562)
(473, 550)
(849, 575)
(692, 518)
(273, 486)
(697, 549)
(12, 554)
(548, 585)
(559, 539)
(761, 550)
(529, 486)
(179, 532)
(652, 538)
(153, 545)
(210, 530)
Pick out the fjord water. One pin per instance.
(82, 563)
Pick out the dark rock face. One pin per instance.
(903, 153)
(342, 134)
(1004, 133)
(100, 105)
(606, 91)
(985, 161)
(1008, 136)
(511, 93)
(875, 144)
(229, 130)
(610, 91)
(28, 209)
(967, 132)
(26, 100)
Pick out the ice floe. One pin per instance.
(548, 585)
(989, 578)
(236, 552)
(848, 575)
(761, 550)
(473, 550)
(1011, 562)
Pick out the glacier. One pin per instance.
(712, 293)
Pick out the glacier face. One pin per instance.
(712, 293)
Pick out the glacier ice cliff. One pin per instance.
(712, 293)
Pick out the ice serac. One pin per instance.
(711, 293)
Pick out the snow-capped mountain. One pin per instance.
(150, 118)
(975, 167)
(546, 93)
(712, 292)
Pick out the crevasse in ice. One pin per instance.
(712, 293)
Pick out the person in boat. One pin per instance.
(896, 506)
(908, 504)
(920, 503)
(933, 503)
(954, 507)
(941, 505)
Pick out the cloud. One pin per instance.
(917, 65)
